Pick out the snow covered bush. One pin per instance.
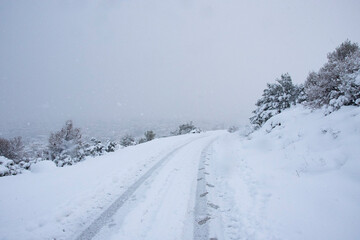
(14, 157)
(5, 166)
(275, 98)
(111, 146)
(149, 135)
(127, 140)
(97, 148)
(94, 148)
(337, 83)
(186, 128)
(196, 130)
(65, 146)
(10, 167)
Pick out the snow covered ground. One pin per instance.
(295, 178)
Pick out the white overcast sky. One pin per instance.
(159, 59)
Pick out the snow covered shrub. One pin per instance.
(14, 157)
(186, 128)
(127, 140)
(12, 149)
(275, 98)
(149, 135)
(5, 166)
(337, 83)
(65, 146)
(94, 148)
(10, 167)
(111, 146)
(196, 130)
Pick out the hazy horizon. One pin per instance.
(158, 61)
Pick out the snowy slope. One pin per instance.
(295, 178)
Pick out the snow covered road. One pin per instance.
(159, 204)
(162, 204)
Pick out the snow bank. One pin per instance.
(295, 178)
(309, 142)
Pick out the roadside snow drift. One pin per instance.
(298, 177)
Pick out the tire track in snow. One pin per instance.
(201, 213)
(104, 218)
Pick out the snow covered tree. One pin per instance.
(65, 146)
(337, 83)
(275, 98)
(149, 135)
(127, 140)
(185, 128)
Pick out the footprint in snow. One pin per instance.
(204, 194)
(213, 205)
(202, 222)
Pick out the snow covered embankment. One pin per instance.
(295, 178)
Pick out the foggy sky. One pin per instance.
(159, 59)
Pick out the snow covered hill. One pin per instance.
(297, 177)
